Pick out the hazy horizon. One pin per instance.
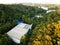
(30, 1)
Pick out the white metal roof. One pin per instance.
(46, 8)
(50, 11)
(39, 16)
(18, 31)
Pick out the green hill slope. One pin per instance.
(9, 15)
(45, 30)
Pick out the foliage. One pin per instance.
(45, 31)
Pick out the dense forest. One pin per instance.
(45, 30)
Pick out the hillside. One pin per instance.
(45, 30)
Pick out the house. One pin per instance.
(50, 11)
(45, 8)
(18, 31)
(39, 16)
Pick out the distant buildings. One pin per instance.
(50, 11)
(39, 16)
(45, 8)
(18, 31)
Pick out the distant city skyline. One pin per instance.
(30, 1)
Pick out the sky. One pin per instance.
(30, 1)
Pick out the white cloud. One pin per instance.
(31, 1)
